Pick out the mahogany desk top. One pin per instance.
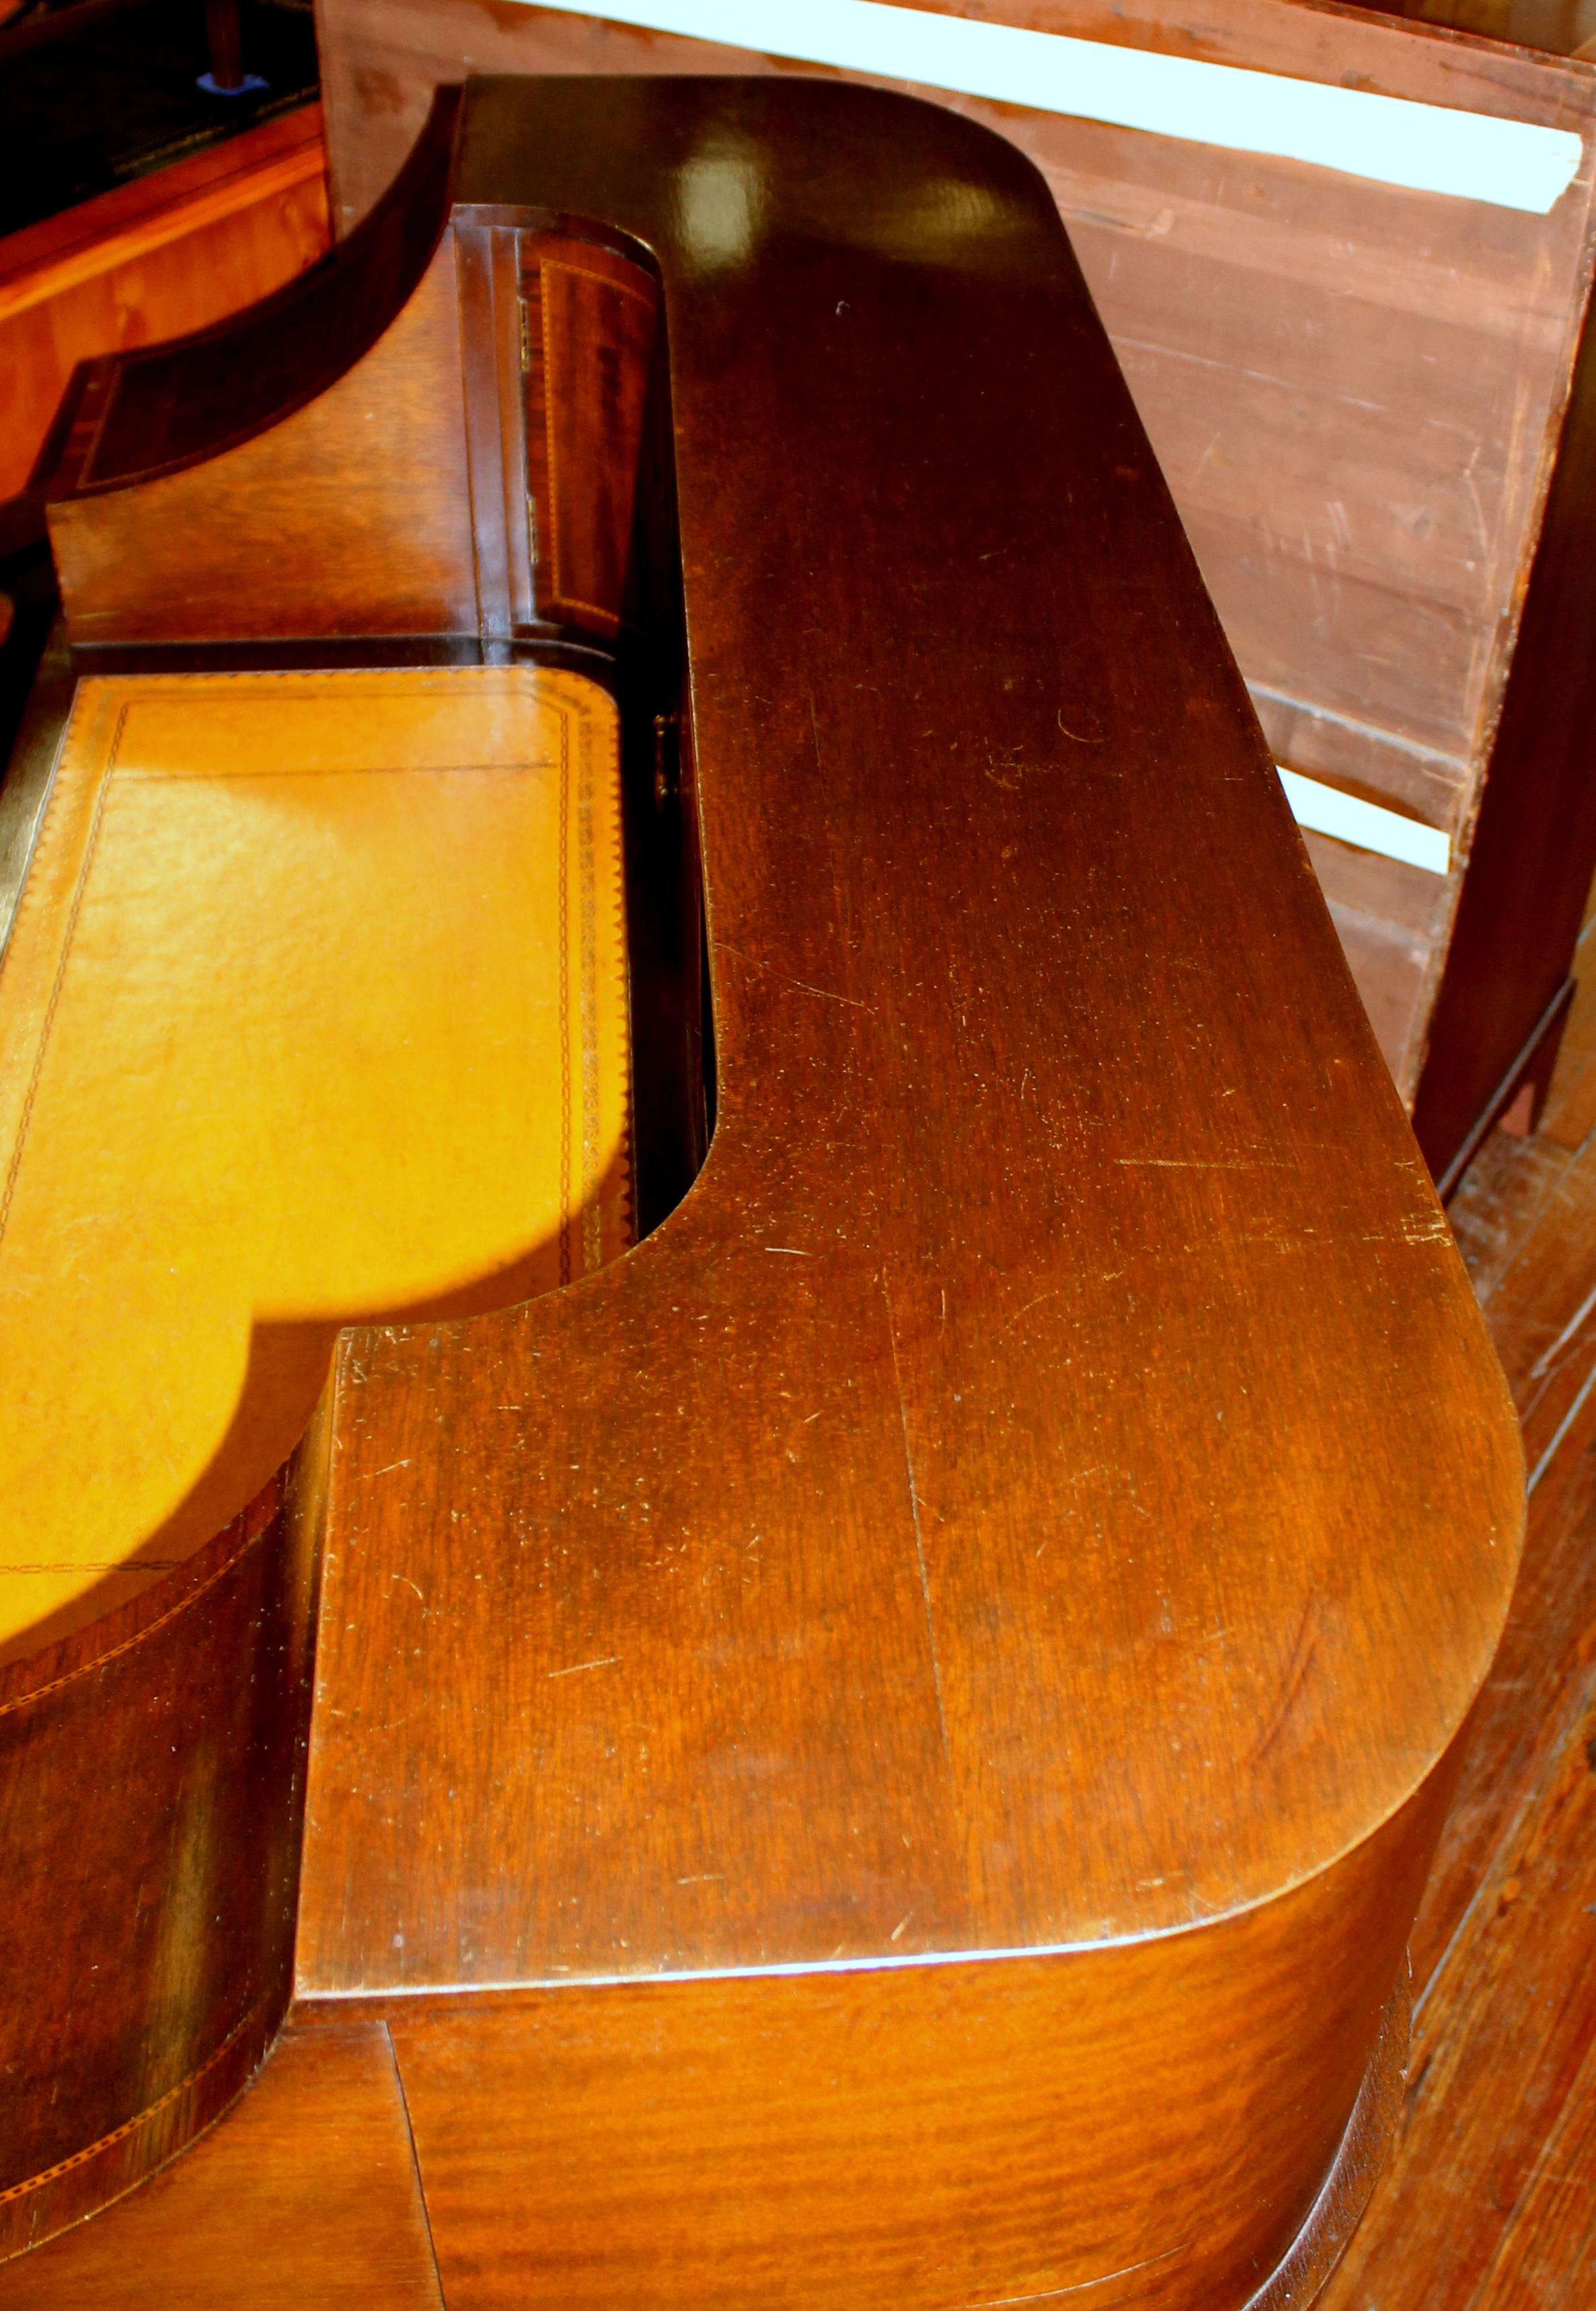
(1154, 1407)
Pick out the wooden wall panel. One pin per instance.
(1348, 386)
(1561, 27)
(1392, 919)
(169, 253)
(1530, 865)
(381, 58)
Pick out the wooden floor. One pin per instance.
(1488, 2202)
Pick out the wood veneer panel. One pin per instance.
(150, 1810)
(985, 1520)
(593, 318)
(305, 2193)
(929, 2136)
(346, 558)
(350, 511)
(156, 258)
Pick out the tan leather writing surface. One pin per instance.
(315, 1011)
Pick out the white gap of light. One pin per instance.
(1428, 148)
(1365, 824)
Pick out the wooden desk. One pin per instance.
(884, 1745)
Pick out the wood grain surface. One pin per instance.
(166, 253)
(1024, 1535)
(596, 318)
(150, 1795)
(1527, 1216)
(367, 523)
(1530, 858)
(926, 2135)
(921, 1317)
(1485, 2204)
(1355, 392)
(316, 2159)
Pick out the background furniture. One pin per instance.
(96, 92)
(1357, 394)
(165, 253)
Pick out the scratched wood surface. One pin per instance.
(1486, 2204)
(647, 1702)
(1486, 2201)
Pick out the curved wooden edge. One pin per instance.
(1159, 2124)
(151, 1792)
(741, 2069)
(92, 2178)
(1323, 2239)
(130, 416)
(49, 1657)
(788, 1331)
